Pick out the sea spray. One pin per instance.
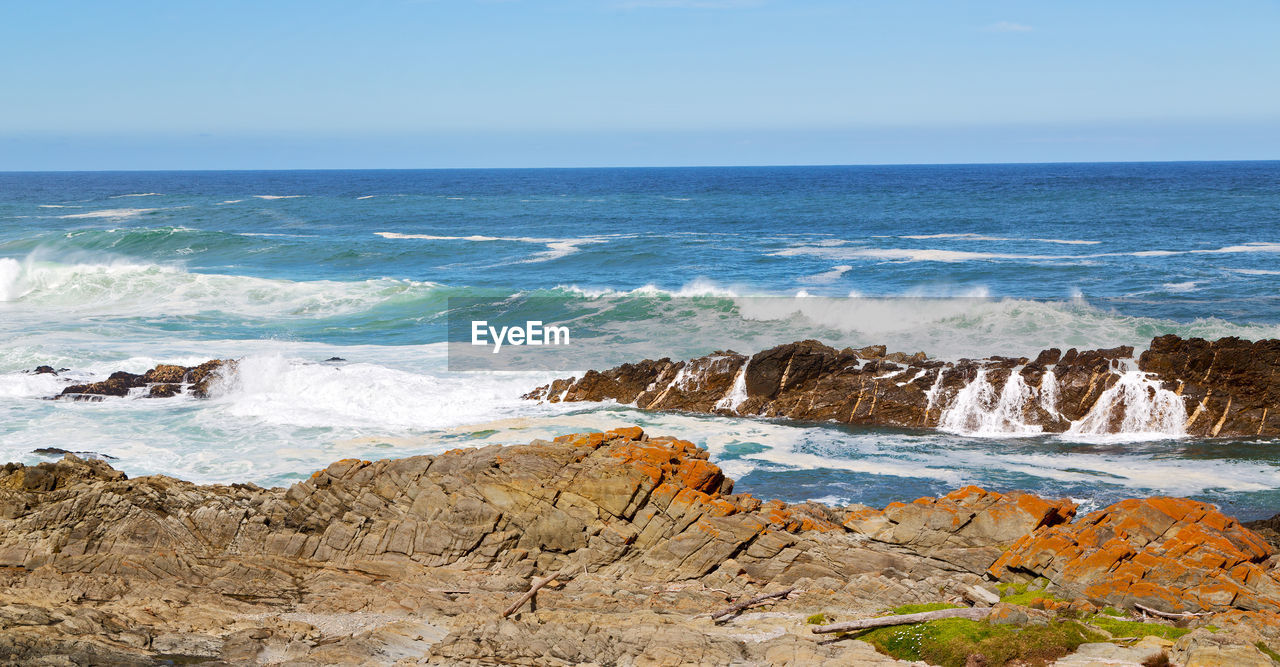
(10, 279)
(1049, 393)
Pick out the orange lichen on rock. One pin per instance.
(591, 440)
(1172, 554)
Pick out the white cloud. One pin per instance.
(1008, 26)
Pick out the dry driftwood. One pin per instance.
(753, 601)
(533, 590)
(971, 613)
(1166, 614)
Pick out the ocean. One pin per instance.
(284, 270)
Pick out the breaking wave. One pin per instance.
(122, 288)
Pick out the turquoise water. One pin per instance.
(107, 271)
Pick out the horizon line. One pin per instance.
(673, 166)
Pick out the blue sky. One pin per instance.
(470, 83)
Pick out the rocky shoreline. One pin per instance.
(639, 540)
(1228, 387)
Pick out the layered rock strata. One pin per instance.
(413, 560)
(1228, 387)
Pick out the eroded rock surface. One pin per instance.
(1170, 554)
(413, 560)
(1227, 387)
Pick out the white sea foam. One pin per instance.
(10, 277)
(278, 196)
(121, 288)
(283, 391)
(906, 254)
(840, 251)
(737, 393)
(831, 276)
(110, 213)
(1146, 411)
(57, 206)
(981, 237)
(556, 248)
(1255, 272)
(700, 287)
(978, 409)
(1188, 286)
(27, 385)
(366, 197)
(1048, 394)
(1256, 246)
(139, 194)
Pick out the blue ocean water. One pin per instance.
(120, 270)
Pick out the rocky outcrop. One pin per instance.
(1170, 554)
(417, 556)
(1227, 387)
(162, 381)
(412, 560)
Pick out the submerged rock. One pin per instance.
(59, 452)
(163, 381)
(1227, 387)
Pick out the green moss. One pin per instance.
(1024, 598)
(1267, 649)
(950, 642)
(1010, 589)
(917, 608)
(1112, 611)
(1121, 628)
(1025, 592)
(817, 619)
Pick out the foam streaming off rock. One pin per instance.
(1049, 393)
(978, 410)
(737, 393)
(932, 395)
(1136, 407)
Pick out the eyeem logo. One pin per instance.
(532, 333)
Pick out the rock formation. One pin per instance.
(162, 381)
(1227, 387)
(1170, 554)
(413, 560)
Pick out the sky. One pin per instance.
(533, 83)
